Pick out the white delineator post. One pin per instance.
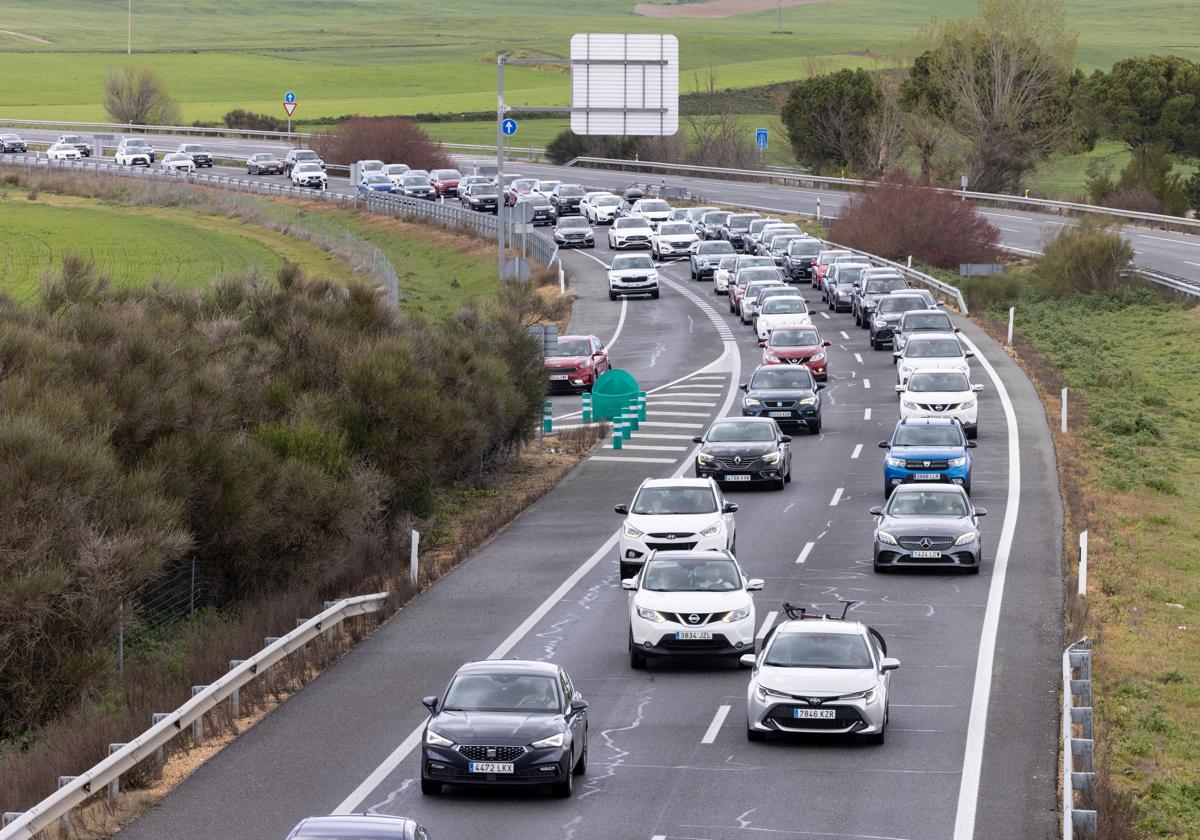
(1064, 410)
(1083, 560)
(412, 557)
(1012, 311)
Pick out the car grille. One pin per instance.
(561, 369)
(637, 238)
(780, 403)
(477, 752)
(638, 279)
(728, 464)
(701, 618)
(844, 717)
(927, 465)
(670, 546)
(935, 543)
(938, 406)
(717, 642)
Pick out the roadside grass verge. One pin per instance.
(1128, 466)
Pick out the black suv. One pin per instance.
(566, 199)
(78, 142)
(199, 155)
(480, 196)
(787, 394)
(12, 143)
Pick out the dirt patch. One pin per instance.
(35, 39)
(714, 8)
(862, 54)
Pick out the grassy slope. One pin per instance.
(389, 56)
(1135, 459)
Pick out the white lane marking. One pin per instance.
(866, 414)
(633, 459)
(659, 837)
(804, 552)
(858, 358)
(1010, 230)
(710, 734)
(1021, 218)
(663, 424)
(837, 497)
(651, 447)
(656, 413)
(655, 401)
(825, 315)
(846, 337)
(768, 621)
(1025, 251)
(1172, 241)
(968, 789)
(857, 450)
(699, 376)
(620, 325)
(789, 507)
(1189, 262)
(866, 383)
(650, 436)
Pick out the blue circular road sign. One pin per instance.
(509, 127)
(289, 97)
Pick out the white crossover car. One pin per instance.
(396, 172)
(654, 210)
(723, 274)
(819, 674)
(629, 232)
(675, 514)
(178, 163)
(782, 312)
(690, 603)
(941, 393)
(632, 274)
(63, 151)
(673, 239)
(369, 167)
(599, 208)
(931, 351)
(309, 175)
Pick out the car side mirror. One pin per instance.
(729, 507)
(820, 386)
(899, 389)
(883, 444)
(876, 511)
(956, 329)
(971, 444)
(744, 387)
(629, 583)
(981, 511)
(969, 354)
(977, 388)
(697, 439)
(623, 509)
(430, 702)
(895, 354)
(785, 439)
(747, 660)
(578, 705)
(826, 343)
(754, 585)
(889, 664)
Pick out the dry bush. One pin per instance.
(900, 219)
(390, 139)
(1087, 257)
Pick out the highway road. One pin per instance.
(972, 746)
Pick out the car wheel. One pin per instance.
(857, 320)
(430, 787)
(877, 567)
(755, 735)
(887, 490)
(967, 487)
(972, 570)
(654, 295)
(581, 765)
(732, 309)
(815, 428)
(877, 739)
(973, 432)
(787, 477)
(612, 295)
(637, 660)
(780, 483)
(566, 787)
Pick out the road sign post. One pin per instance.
(760, 140)
(289, 105)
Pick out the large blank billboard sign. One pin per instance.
(625, 84)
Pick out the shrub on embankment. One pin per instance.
(263, 434)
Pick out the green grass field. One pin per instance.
(404, 56)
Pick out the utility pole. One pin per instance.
(500, 205)
(129, 35)
(779, 17)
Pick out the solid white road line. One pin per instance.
(651, 436)
(866, 414)
(1172, 241)
(768, 621)
(968, 789)
(633, 459)
(866, 383)
(804, 552)
(659, 837)
(837, 497)
(858, 358)
(650, 447)
(652, 405)
(663, 424)
(857, 450)
(710, 734)
(1189, 262)
(620, 324)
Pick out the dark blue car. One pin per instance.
(927, 449)
(375, 183)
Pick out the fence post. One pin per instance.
(1064, 410)
(1083, 562)
(160, 754)
(114, 787)
(235, 699)
(414, 547)
(198, 723)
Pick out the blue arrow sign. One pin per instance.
(508, 127)
(289, 97)
(760, 138)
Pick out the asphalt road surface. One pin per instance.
(974, 729)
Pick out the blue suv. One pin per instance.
(933, 449)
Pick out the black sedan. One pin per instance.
(505, 722)
(12, 143)
(887, 315)
(787, 394)
(928, 525)
(745, 450)
(543, 210)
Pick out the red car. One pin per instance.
(518, 188)
(824, 260)
(797, 346)
(445, 181)
(576, 362)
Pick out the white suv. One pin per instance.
(629, 232)
(941, 393)
(690, 603)
(675, 514)
(134, 152)
(309, 175)
(632, 274)
(931, 351)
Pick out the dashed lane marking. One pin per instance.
(866, 414)
(857, 450)
(858, 358)
(844, 336)
(633, 459)
(710, 734)
(866, 383)
(654, 405)
(650, 447)
(768, 621)
(808, 547)
(837, 497)
(663, 424)
(676, 414)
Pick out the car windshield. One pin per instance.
(715, 575)
(676, 229)
(264, 157)
(632, 261)
(484, 189)
(830, 256)
(573, 222)
(547, 186)
(848, 274)
(570, 190)
(654, 207)
(674, 501)
(782, 376)
(926, 503)
(415, 181)
(629, 222)
(819, 650)
(522, 184)
(127, 142)
(779, 244)
(887, 284)
(805, 247)
(307, 156)
(736, 430)
(717, 218)
(447, 174)
(396, 168)
(698, 212)
(938, 380)
(784, 305)
(749, 275)
(727, 263)
(177, 156)
(376, 179)
(371, 164)
(536, 199)
(892, 305)
(794, 338)
(605, 201)
(502, 693)
(755, 262)
(192, 149)
(927, 436)
(740, 222)
(572, 347)
(759, 224)
(303, 167)
(936, 348)
(721, 247)
(928, 321)
(70, 138)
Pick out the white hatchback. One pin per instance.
(675, 514)
(931, 351)
(941, 393)
(781, 312)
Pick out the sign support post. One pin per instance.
(501, 205)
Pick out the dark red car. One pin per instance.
(518, 188)
(797, 346)
(576, 362)
(821, 266)
(445, 181)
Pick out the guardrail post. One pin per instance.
(114, 787)
(329, 632)
(1064, 411)
(1084, 824)
(302, 651)
(65, 819)
(414, 547)
(269, 671)
(198, 723)
(1012, 311)
(1083, 562)
(235, 698)
(160, 754)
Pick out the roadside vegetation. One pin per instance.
(1128, 467)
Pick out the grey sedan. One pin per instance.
(928, 526)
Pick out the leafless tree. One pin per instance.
(888, 128)
(717, 138)
(138, 96)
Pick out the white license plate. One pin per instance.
(558, 376)
(780, 414)
(694, 636)
(737, 477)
(927, 476)
(927, 555)
(813, 714)
(491, 767)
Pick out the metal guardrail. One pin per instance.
(946, 290)
(1078, 770)
(86, 785)
(1171, 281)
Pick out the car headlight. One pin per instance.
(736, 615)
(885, 537)
(894, 462)
(808, 401)
(909, 404)
(435, 740)
(867, 696)
(819, 356)
(712, 530)
(761, 693)
(880, 323)
(585, 364)
(632, 532)
(705, 459)
(957, 462)
(963, 539)
(771, 458)
(556, 740)
(770, 357)
(968, 404)
(650, 615)
(654, 275)
(752, 401)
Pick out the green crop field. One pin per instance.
(404, 56)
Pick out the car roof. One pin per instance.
(677, 482)
(579, 337)
(930, 486)
(927, 312)
(820, 625)
(760, 420)
(509, 666)
(927, 421)
(357, 826)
